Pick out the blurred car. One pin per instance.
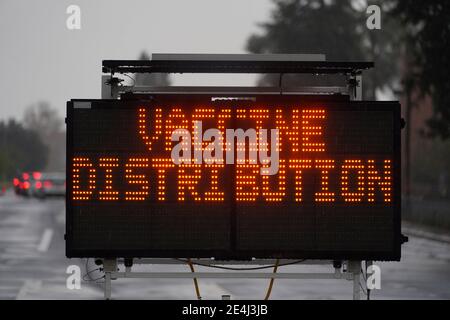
(49, 184)
(23, 184)
(16, 184)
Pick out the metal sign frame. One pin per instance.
(234, 253)
(175, 63)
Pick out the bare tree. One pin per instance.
(41, 118)
(45, 121)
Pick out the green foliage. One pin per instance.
(21, 150)
(335, 28)
(310, 27)
(427, 26)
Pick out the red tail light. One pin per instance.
(16, 182)
(26, 185)
(38, 184)
(36, 175)
(25, 176)
(47, 184)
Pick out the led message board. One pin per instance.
(333, 192)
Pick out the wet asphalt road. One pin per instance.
(33, 266)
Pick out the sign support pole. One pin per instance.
(108, 88)
(355, 267)
(109, 267)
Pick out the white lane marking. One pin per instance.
(45, 240)
(29, 286)
(61, 217)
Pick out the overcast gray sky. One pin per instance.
(41, 60)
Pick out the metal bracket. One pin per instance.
(112, 272)
(354, 84)
(110, 87)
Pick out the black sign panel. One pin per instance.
(333, 192)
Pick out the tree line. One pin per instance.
(411, 50)
(34, 143)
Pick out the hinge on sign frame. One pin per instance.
(403, 239)
(114, 81)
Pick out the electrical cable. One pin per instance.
(89, 272)
(197, 289)
(92, 280)
(269, 289)
(366, 292)
(365, 280)
(243, 269)
(134, 81)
